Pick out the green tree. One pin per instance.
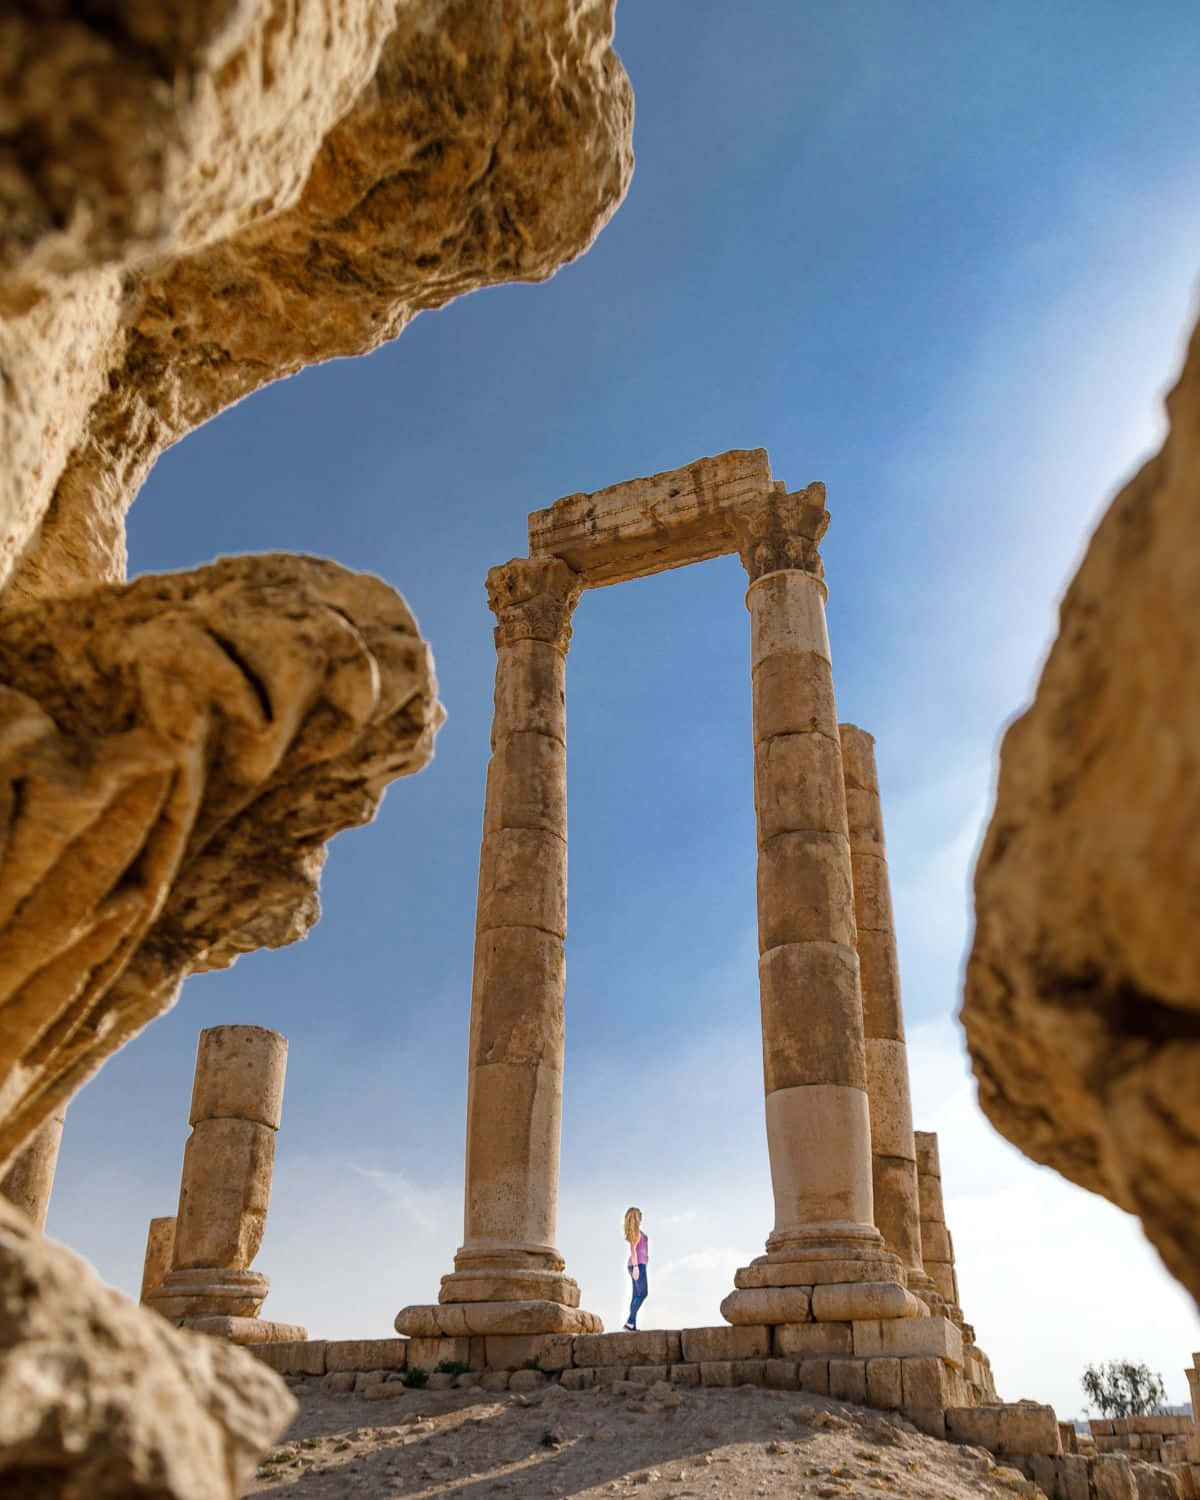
(1122, 1389)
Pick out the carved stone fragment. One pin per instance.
(174, 754)
(1082, 1003)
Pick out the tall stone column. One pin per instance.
(508, 1276)
(937, 1248)
(893, 1153)
(225, 1190)
(28, 1182)
(814, 1057)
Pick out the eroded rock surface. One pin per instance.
(98, 1398)
(1082, 1003)
(221, 230)
(174, 754)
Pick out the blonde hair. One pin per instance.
(633, 1225)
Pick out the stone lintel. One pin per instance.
(645, 526)
(238, 1330)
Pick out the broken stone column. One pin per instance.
(160, 1252)
(1193, 1378)
(814, 1057)
(28, 1182)
(508, 1276)
(893, 1154)
(237, 1101)
(937, 1248)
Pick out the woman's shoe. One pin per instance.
(630, 1328)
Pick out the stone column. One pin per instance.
(28, 1182)
(237, 1101)
(160, 1251)
(508, 1275)
(814, 1058)
(937, 1249)
(893, 1153)
(1193, 1379)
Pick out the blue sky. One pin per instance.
(941, 256)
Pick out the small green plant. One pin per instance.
(1122, 1389)
(415, 1378)
(453, 1367)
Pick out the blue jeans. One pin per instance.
(640, 1289)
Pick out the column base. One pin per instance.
(841, 1273)
(209, 1292)
(245, 1330)
(463, 1319)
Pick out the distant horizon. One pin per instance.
(942, 262)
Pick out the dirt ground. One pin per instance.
(709, 1444)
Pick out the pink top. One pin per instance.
(643, 1248)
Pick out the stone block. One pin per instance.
(848, 1380)
(755, 1306)
(383, 1390)
(365, 1379)
(749, 1371)
(1023, 1427)
(512, 1351)
(716, 1372)
(494, 1380)
(780, 1374)
(557, 1351)
(930, 1419)
(884, 1385)
(811, 1273)
(526, 1380)
(922, 1383)
(608, 1374)
(798, 1340)
(1156, 1482)
(685, 1374)
(427, 1354)
(628, 1388)
(366, 1354)
(441, 1380)
(577, 1380)
(854, 1301)
(340, 1382)
(600, 1349)
(467, 1381)
(904, 1337)
(1068, 1437)
(812, 1376)
(647, 1374)
(1100, 1426)
(302, 1358)
(745, 1342)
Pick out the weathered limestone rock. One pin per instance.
(176, 752)
(160, 1252)
(237, 1103)
(28, 1182)
(937, 1248)
(1082, 1000)
(893, 1154)
(814, 1059)
(213, 197)
(98, 1399)
(509, 1278)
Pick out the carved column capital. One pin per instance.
(533, 599)
(782, 531)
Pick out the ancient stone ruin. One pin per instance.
(224, 1193)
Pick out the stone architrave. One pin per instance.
(814, 1057)
(893, 1153)
(937, 1248)
(160, 1252)
(508, 1276)
(30, 1179)
(237, 1102)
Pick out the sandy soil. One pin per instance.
(706, 1444)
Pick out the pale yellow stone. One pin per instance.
(787, 617)
(366, 1354)
(225, 1194)
(819, 1142)
(796, 783)
(801, 1340)
(792, 693)
(160, 1252)
(753, 1342)
(852, 1301)
(755, 1306)
(891, 1104)
(523, 880)
(908, 1336)
(239, 1074)
(30, 1178)
(647, 525)
(812, 1042)
(1023, 1427)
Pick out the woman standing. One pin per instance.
(639, 1249)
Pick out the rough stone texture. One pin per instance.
(215, 196)
(1022, 1427)
(1082, 1001)
(160, 1252)
(99, 1399)
(176, 753)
